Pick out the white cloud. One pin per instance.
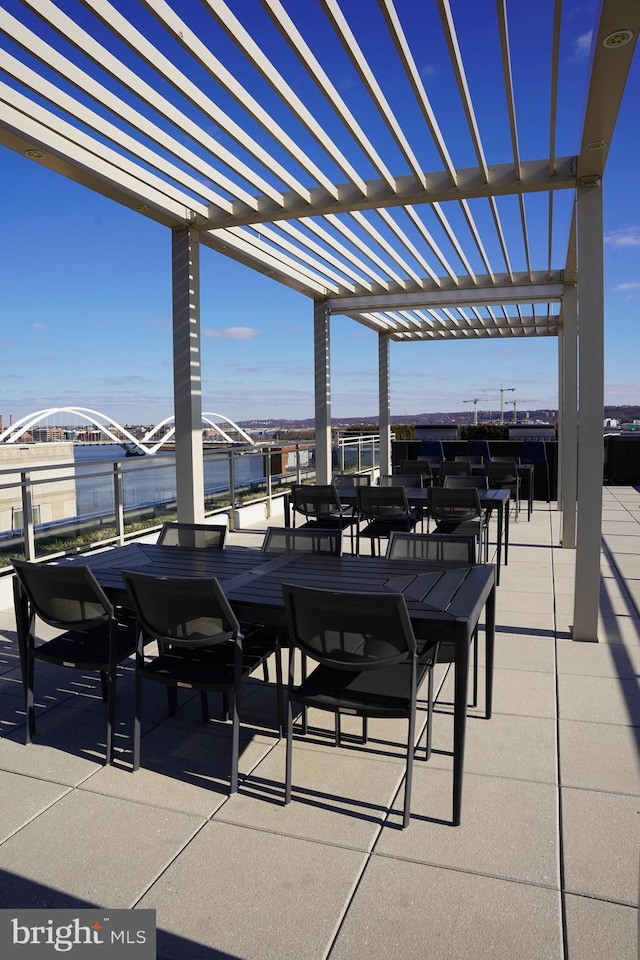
(625, 237)
(38, 326)
(232, 333)
(626, 287)
(582, 45)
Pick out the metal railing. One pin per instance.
(87, 504)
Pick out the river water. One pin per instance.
(148, 480)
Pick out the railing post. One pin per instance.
(27, 516)
(298, 467)
(232, 493)
(118, 500)
(268, 479)
(359, 454)
(341, 449)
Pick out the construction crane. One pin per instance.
(520, 400)
(502, 390)
(475, 402)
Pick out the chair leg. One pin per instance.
(137, 717)
(338, 730)
(204, 704)
(409, 771)
(111, 715)
(279, 692)
(235, 743)
(265, 671)
(427, 752)
(225, 706)
(289, 752)
(29, 697)
(474, 698)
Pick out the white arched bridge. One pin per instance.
(223, 429)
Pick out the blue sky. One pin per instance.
(85, 313)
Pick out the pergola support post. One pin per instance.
(569, 417)
(591, 411)
(384, 401)
(322, 384)
(187, 375)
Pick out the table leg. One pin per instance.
(506, 531)
(459, 720)
(287, 510)
(500, 509)
(490, 636)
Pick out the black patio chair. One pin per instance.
(445, 549)
(421, 468)
(69, 598)
(351, 479)
(383, 509)
(454, 468)
(321, 506)
(503, 475)
(460, 483)
(302, 540)
(473, 459)
(458, 512)
(401, 479)
(201, 535)
(368, 663)
(201, 647)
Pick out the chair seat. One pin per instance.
(465, 527)
(382, 528)
(371, 693)
(206, 667)
(86, 651)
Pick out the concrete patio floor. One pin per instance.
(543, 867)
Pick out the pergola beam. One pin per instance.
(503, 181)
(520, 293)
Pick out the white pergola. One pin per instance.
(314, 141)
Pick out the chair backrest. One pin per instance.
(432, 448)
(478, 448)
(452, 505)
(455, 468)
(437, 547)
(351, 479)
(401, 480)
(420, 468)
(533, 451)
(190, 612)
(505, 460)
(501, 473)
(315, 501)
(201, 535)
(382, 502)
(480, 483)
(469, 458)
(302, 540)
(349, 631)
(66, 596)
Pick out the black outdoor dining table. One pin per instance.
(491, 500)
(445, 601)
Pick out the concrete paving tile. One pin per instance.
(338, 797)
(519, 652)
(523, 692)
(619, 527)
(600, 845)
(523, 748)
(519, 583)
(93, 849)
(509, 602)
(524, 568)
(609, 606)
(252, 895)
(509, 827)
(600, 756)
(599, 699)
(23, 798)
(180, 770)
(619, 630)
(46, 761)
(523, 623)
(620, 545)
(597, 929)
(411, 911)
(598, 660)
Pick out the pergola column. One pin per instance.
(384, 401)
(569, 416)
(591, 411)
(187, 375)
(322, 382)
